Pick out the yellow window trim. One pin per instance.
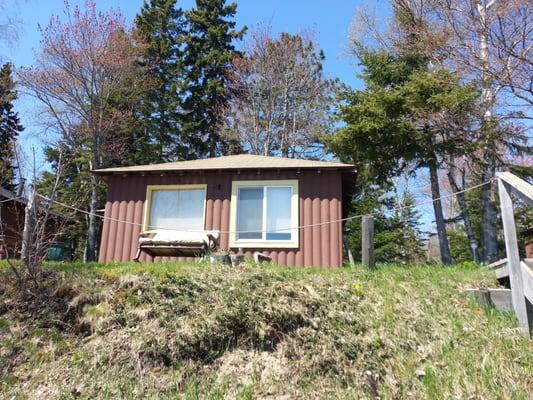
(266, 244)
(151, 188)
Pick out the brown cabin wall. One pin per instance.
(320, 201)
(12, 223)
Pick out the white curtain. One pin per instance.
(181, 209)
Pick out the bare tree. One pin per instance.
(85, 63)
(9, 22)
(42, 225)
(279, 96)
(490, 42)
(34, 221)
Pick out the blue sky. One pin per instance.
(329, 20)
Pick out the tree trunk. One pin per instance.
(445, 254)
(92, 231)
(490, 213)
(465, 215)
(284, 143)
(26, 252)
(490, 216)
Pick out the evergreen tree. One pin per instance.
(209, 50)
(409, 116)
(406, 220)
(397, 238)
(10, 126)
(160, 28)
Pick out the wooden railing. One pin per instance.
(519, 272)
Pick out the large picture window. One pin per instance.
(264, 214)
(177, 207)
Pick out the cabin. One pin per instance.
(11, 223)
(12, 215)
(285, 209)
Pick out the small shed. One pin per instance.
(288, 209)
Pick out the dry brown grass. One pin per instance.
(201, 332)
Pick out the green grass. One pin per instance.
(191, 331)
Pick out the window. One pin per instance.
(178, 207)
(264, 214)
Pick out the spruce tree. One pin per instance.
(407, 221)
(10, 126)
(209, 50)
(160, 27)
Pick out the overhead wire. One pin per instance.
(11, 199)
(398, 208)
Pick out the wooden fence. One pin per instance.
(520, 272)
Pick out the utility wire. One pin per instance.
(398, 208)
(11, 199)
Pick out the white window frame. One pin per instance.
(264, 243)
(153, 188)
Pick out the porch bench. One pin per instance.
(175, 243)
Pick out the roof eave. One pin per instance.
(103, 172)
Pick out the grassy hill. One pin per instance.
(178, 331)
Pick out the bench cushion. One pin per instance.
(179, 238)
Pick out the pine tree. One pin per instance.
(10, 126)
(209, 50)
(160, 27)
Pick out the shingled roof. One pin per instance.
(237, 162)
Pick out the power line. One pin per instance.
(397, 208)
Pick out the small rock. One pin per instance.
(420, 373)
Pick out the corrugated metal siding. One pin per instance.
(320, 201)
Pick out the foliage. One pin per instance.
(10, 126)
(459, 245)
(74, 190)
(175, 330)
(397, 237)
(278, 95)
(406, 114)
(209, 50)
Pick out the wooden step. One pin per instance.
(500, 298)
(500, 268)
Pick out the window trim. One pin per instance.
(260, 243)
(148, 203)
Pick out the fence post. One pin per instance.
(367, 231)
(513, 256)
